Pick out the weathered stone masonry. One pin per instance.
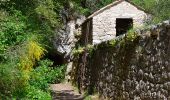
(104, 20)
(104, 23)
(138, 70)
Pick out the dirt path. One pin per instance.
(65, 91)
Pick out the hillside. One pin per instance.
(30, 41)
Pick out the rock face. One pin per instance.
(136, 70)
(65, 39)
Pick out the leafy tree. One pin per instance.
(158, 8)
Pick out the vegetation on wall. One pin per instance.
(131, 36)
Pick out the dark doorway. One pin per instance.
(58, 59)
(123, 25)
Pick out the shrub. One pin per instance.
(40, 78)
(32, 53)
(12, 31)
(38, 94)
(10, 81)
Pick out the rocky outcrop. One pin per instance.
(65, 39)
(134, 70)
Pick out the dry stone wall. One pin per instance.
(135, 70)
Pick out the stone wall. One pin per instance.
(104, 23)
(132, 70)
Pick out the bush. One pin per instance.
(21, 24)
(158, 8)
(12, 31)
(38, 94)
(40, 78)
(10, 78)
(44, 74)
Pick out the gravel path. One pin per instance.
(65, 91)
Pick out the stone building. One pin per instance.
(112, 20)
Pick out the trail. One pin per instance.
(65, 91)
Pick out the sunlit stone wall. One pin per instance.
(138, 70)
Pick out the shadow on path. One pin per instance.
(64, 91)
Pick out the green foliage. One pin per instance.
(14, 74)
(38, 94)
(10, 77)
(45, 11)
(13, 84)
(23, 26)
(93, 5)
(79, 7)
(90, 49)
(88, 98)
(12, 36)
(112, 42)
(131, 35)
(78, 51)
(44, 74)
(40, 78)
(27, 27)
(59, 73)
(147, 4)
(162, 11)
(158, 8)
(12, 30)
